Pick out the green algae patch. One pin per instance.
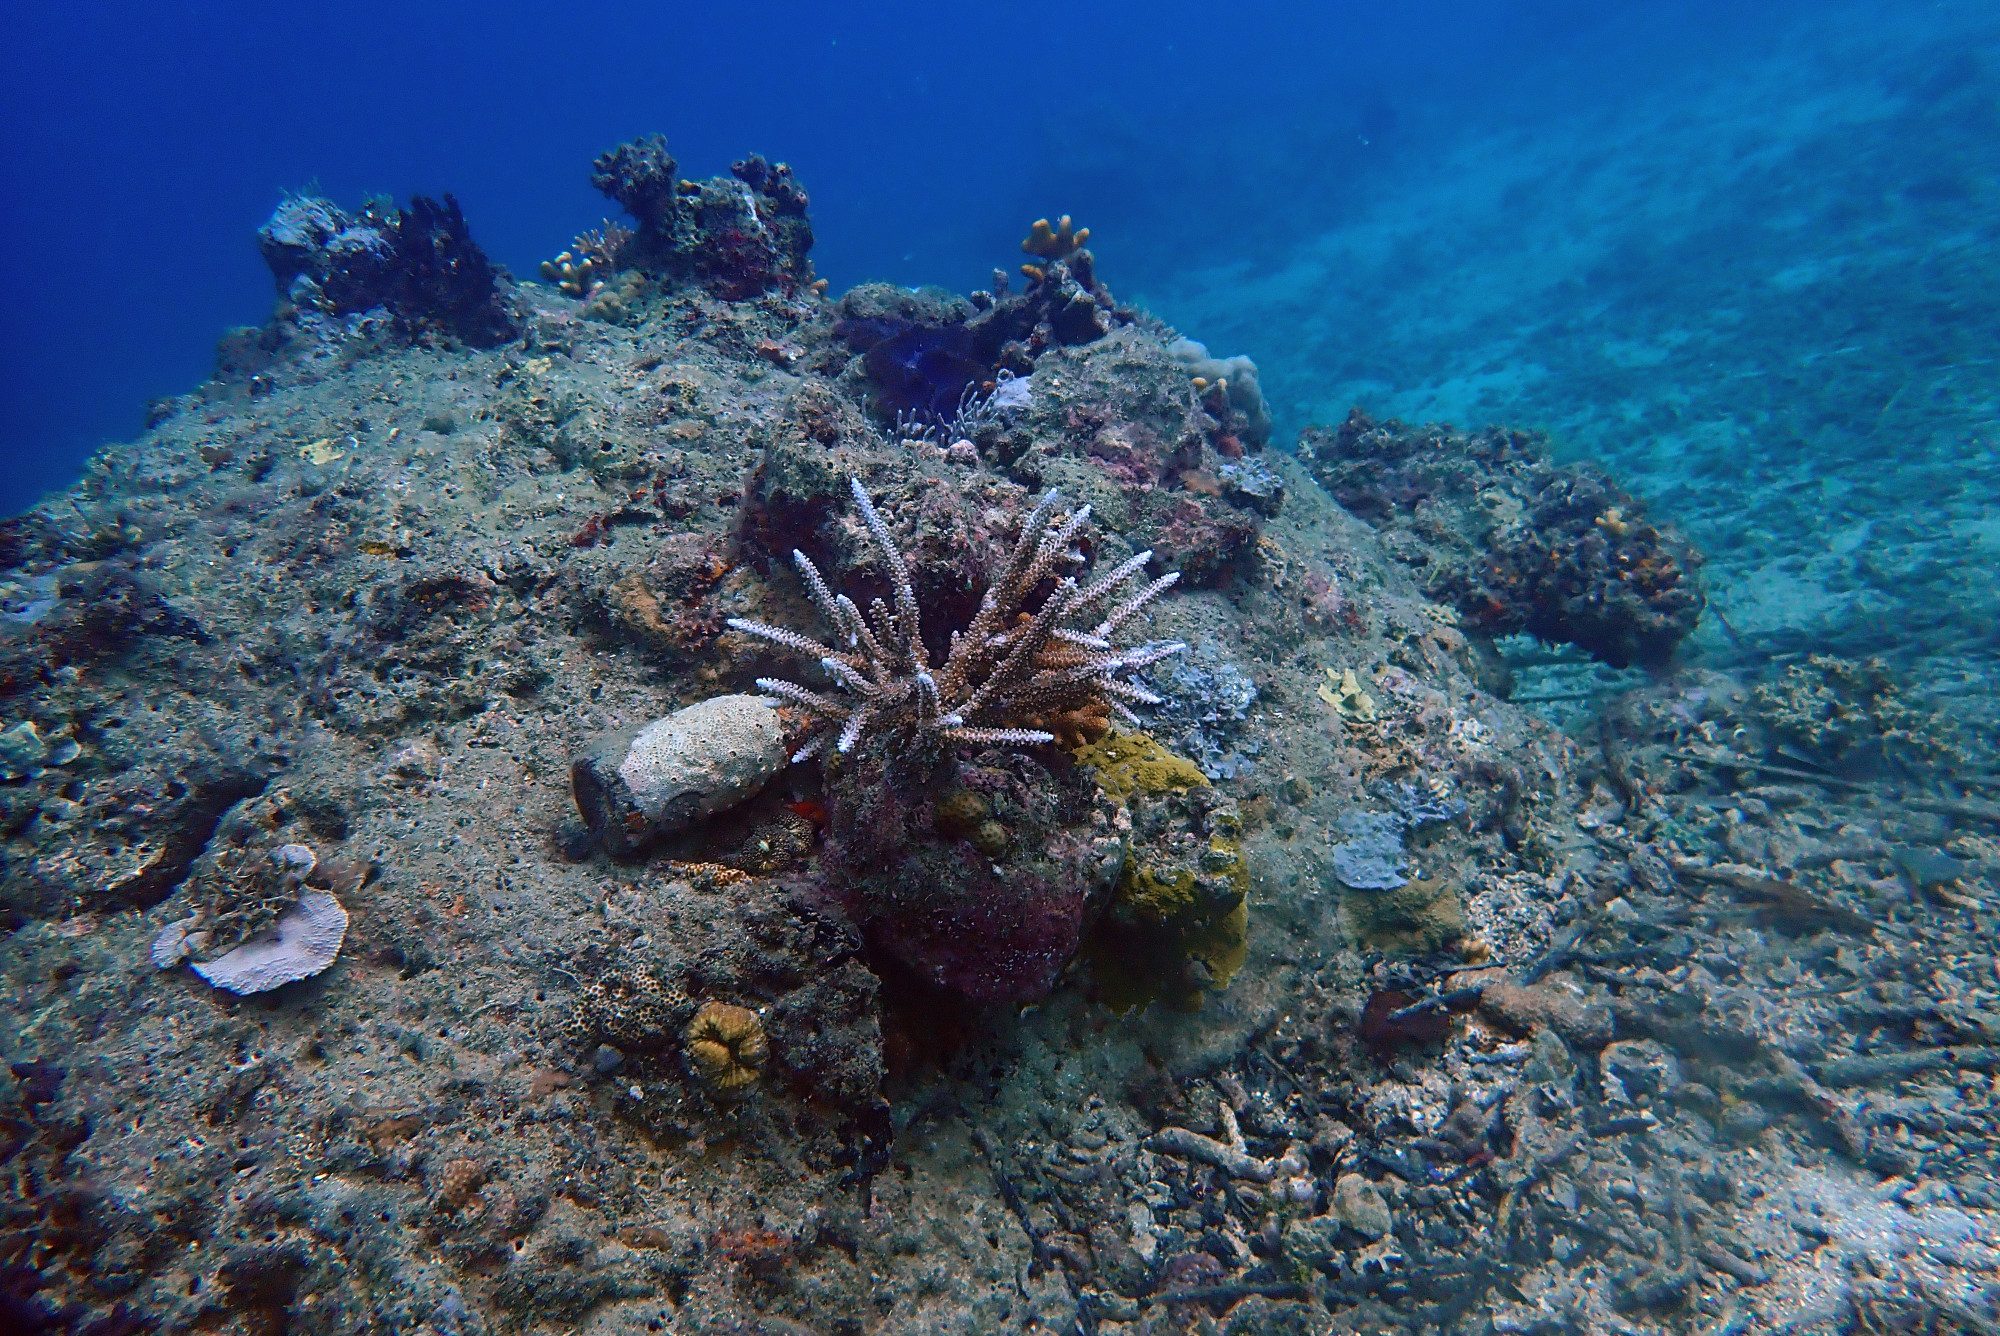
(1177, 927)
(1129, 763)
(1416, 918)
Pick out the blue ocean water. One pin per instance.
(147, 143)
(1679, 1016)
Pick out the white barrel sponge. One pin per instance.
(677, 770)
(304, 941)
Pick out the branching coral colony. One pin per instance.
(1009, 677)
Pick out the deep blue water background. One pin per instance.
(146, 142)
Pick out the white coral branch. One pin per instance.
(1015, 664)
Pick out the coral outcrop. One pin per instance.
(1512, 540)
(419, 264)
(740, 235)
(1177, 923)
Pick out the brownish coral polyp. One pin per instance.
(727, 1048)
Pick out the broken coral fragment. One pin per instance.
(1344, 694)
(176, 942)
(677, 770)
(304, 942)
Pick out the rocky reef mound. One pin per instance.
(895, 812)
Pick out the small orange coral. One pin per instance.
(1052, 243)
(727, 1048)
(759, 1251)
(1079, 727)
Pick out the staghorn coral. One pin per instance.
(1008, 669)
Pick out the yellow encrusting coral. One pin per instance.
(1128, 763)
(1178, 923)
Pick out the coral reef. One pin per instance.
(370, 598)
(1513, 541)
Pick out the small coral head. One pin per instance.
(727, 1048)
(1020, 666)
(1052, 243)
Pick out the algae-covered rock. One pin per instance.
(1178, 923)
(634, 787)
(1415, 918)
(1359, 1205)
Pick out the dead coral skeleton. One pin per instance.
(1008, 670)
